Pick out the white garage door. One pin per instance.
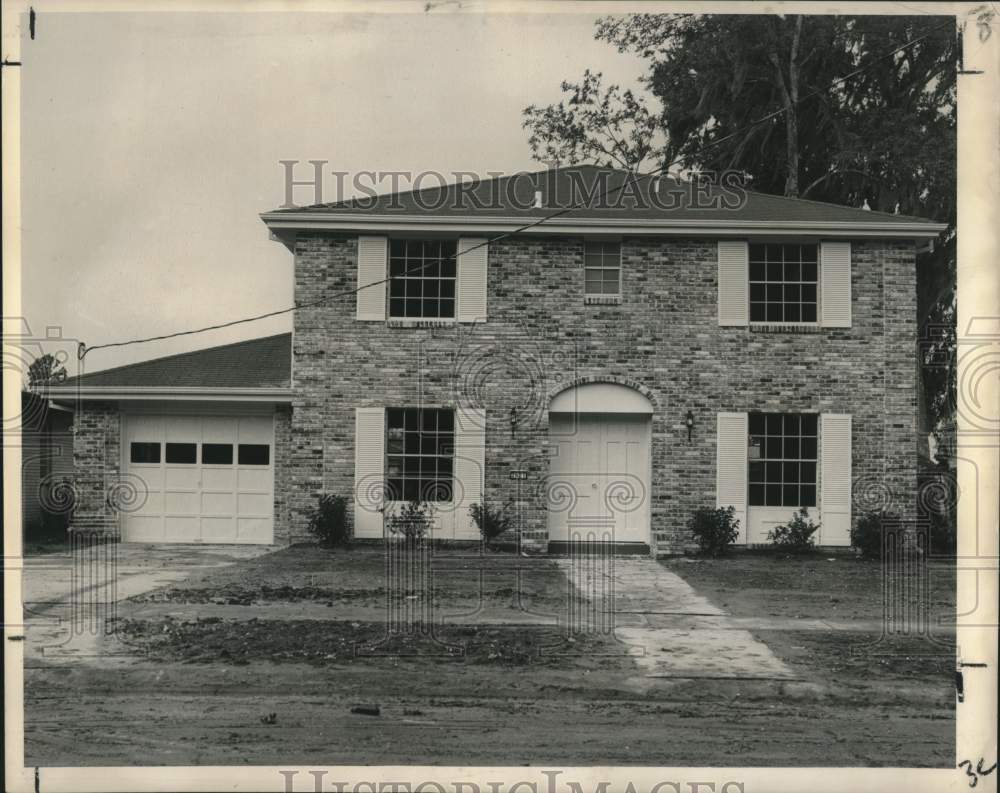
(200, 478)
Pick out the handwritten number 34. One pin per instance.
(974, 774)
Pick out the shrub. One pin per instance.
(491, 521)
(867, 533)
(328, 521)
(795, 536)
(937, 504)
(412, 521)
(714, 529)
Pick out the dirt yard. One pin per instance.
(286, 658)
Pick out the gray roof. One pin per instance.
(641, 199)
(256, 363)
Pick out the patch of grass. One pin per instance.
(212, 640)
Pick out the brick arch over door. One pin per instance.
(626, 382)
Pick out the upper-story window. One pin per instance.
(602, 268)
(422, 279)
(783, 283)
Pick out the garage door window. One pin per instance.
(182, 453)
(141, 452)
(217, 454)
(255, 454)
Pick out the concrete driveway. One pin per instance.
(70, 596)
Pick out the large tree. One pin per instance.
(857, 111)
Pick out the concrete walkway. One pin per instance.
(673, 631)
(69, 596)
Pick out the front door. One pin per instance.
(598, 486)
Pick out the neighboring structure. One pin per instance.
(605, 372)
(46, 466)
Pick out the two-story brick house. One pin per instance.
(604, 369)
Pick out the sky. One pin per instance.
(152, 141)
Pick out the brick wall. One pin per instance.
(98, 486)
(664, 338)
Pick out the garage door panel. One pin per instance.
(218, 479)
(218, 504)
(142, 528)
(256, 429)
(181, 503)
(199, 502)
(257, 504)
(218, 529)
(255, 479)
(152, 504)
(219, 430)
(182, 429)
(150, 476)
(182, 528)
(254, 529)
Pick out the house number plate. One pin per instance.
(518, 476)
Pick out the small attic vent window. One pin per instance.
(538, 199)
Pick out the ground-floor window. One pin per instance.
(420, 453)
(782, 466)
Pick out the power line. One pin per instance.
(631, 180)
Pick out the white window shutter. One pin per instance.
(731, 466)
(835, 479)
(835, 284)
(470, 467)
(734, 283)
(372, 256)
(473, 253)
(369, 471)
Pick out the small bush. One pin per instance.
(714, 529)
(328, 522)
(412, 521)
(937, 504)
(867, 533)
(491, 521)
(796, 536)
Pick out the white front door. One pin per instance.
(598, 487)
(199, 478)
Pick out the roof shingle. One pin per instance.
(256, 363)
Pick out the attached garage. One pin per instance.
(184, 449)
(199, 478)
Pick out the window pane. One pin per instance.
(397, 308)
(809, 271)
(807, 473)
(808, 448)
(772, 472)
(790, 472)
(757, 252)
(809, 253)
(397, 288)
(774, 270)
(807, 496)
(217, 453)
(756, 423)
(756, 472)
(792, 312)
(397, 248)
(142, 452)
(182, 453)
(772, 496)
(791, 423)
(774, 293)
(254, 454)
(774, 313)
(793, 271)
(394, 418)
(774, 423)
(758, 293)
(756, 495)
(808, 312)
(757, 271)
(448, 268)
(758, 312)
(790, 496)
(791, 448)
(809, 423)
(447, 308)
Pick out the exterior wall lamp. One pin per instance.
(689, 423)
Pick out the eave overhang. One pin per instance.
(64, 394)
(285, 225)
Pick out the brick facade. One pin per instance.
(663, 339)
(99, 490)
